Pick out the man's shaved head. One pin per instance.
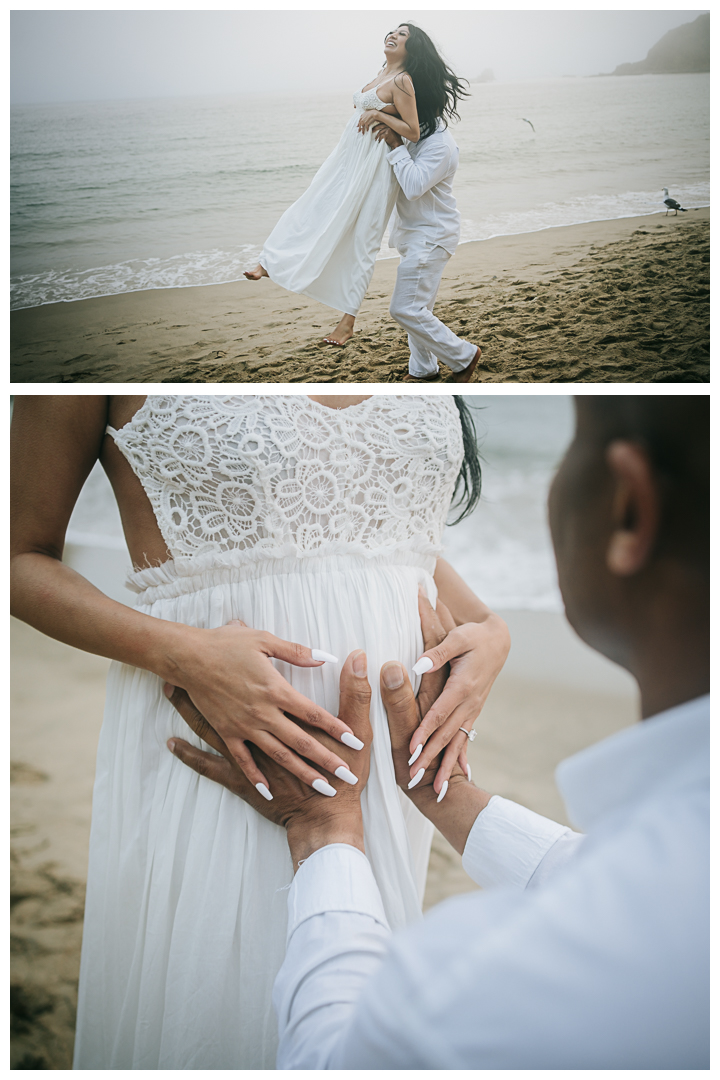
(630, 521)
(675, 433)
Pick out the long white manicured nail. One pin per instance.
(323, 787)
(416, 754)
(424, 664)
(344, 774)
(469, 772)
(264, 792)
(416, 778)
(318, 654)
(443, 789)
(350, 740)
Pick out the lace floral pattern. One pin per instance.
(368, 100)
(280, 475)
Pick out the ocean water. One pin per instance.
(502, 550)
(116, 196)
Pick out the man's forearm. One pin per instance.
(304, 840)
(455, 816)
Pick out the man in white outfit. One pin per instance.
(425, 229)
(581, 951)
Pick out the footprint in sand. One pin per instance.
(20, 773)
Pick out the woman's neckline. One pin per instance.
(336, 408)
(300, 397)
(367, 89)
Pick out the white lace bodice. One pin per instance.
(280, 475)
(368, 99)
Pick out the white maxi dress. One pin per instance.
(316, 525)
(325, 244)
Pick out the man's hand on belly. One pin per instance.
(311, 821)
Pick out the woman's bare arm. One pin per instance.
(476, 647)
(458, 597)
(55, 441)
(405, 123)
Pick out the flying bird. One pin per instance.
(527, 122)
(671, 204)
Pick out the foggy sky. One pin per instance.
(100, 55)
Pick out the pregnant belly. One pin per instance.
(335, 604)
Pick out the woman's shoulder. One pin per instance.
(404, 82)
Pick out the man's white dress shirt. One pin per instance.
(583, 953)
(426, 210)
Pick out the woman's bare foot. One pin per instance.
(342, 332)
(256, 274)
(467, 373)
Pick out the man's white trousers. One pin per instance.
(418, 280)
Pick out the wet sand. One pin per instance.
(526, 728)
(609, 301)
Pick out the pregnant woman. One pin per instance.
(314, 521)
(326, 243)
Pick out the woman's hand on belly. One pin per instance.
(368, 119)
(229, 676)
(311, 822)
(475, 653)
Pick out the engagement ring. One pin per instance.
(471, 734)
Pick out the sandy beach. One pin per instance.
(535, 717)
(609, 301)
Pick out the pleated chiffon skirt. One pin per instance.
(325, 244)
(186, 905)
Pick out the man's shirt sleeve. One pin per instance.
(417, 177)
(511, 846)
(338, 934)
(337, 937)
(604, 967)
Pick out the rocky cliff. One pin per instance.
(684, 49)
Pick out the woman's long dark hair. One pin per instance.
(437, 88)
(469, 482)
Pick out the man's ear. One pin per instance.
(635, 508)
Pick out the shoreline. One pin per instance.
(380, 259)
(572, 274)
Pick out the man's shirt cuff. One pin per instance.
(400, 153)
(337, 877)
(507, 843)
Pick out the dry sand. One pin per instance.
(608, 301)
(57, 705)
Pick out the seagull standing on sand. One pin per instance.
(671, 204)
